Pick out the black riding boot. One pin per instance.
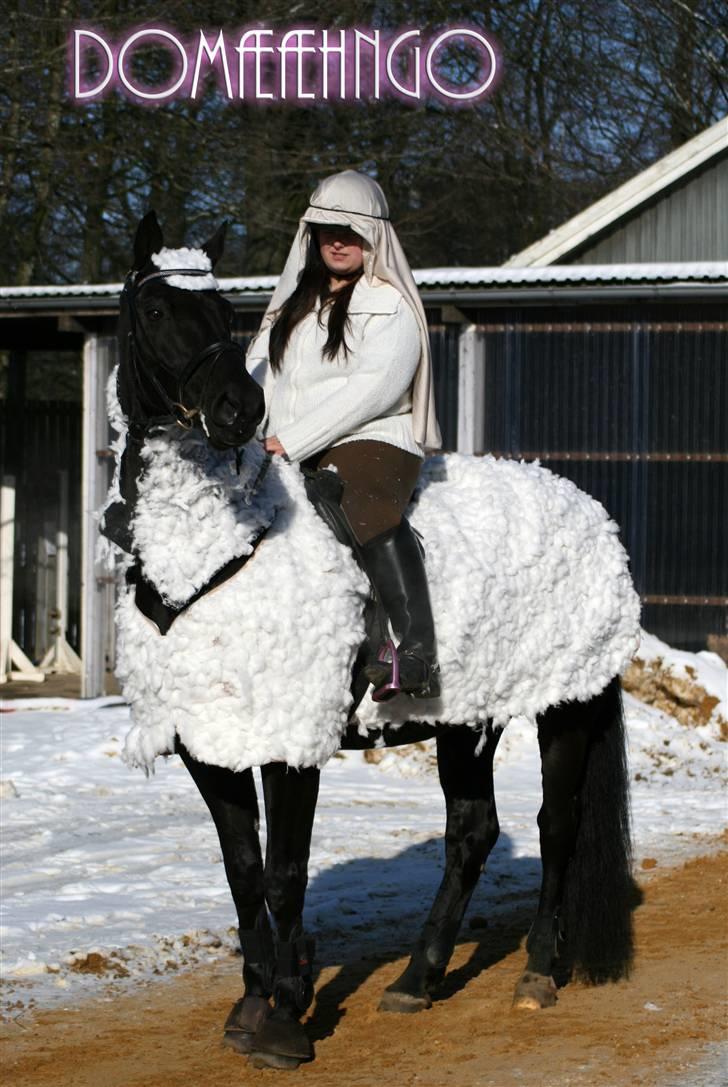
(281, 1041)
(259, 967)
(395, 564)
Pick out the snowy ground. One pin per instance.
(110, 878)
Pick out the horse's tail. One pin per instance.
(600, 893)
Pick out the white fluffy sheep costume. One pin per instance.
(531, 592)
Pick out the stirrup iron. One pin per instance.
(388, 653)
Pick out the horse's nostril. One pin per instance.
(226, 410)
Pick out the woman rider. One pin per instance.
(344, 359)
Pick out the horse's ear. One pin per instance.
(215, 245)
(148, 240)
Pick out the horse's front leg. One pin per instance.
(563, 738)
(290, 805)
(471, 832)
(233, 804)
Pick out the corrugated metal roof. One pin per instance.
(549, 275)
(95, 290)
(583, 273)
(626, 199)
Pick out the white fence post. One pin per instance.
(471, 390)
(61, 657)
(45, 568)
(98, 354)
(10, 652)
(7, 547)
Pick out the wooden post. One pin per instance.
(10, 652)
(471, 390)
(61, 657)
(98, 354)
(7, 545)
(45, 563)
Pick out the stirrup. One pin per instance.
(429, 687)
(388, 653)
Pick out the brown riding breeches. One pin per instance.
(378, 479)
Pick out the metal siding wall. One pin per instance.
(444, 347)
(629, 410)
(51, 440)
(690, 223)
(606, 379)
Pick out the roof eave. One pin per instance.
(459, 295)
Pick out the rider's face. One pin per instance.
(341, 249)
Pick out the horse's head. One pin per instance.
(178, 361)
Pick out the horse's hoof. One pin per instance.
(534, 991)
(280, 1042)
(245, 1019)
(239, 1040)
(403, 1002)
(273, 1060)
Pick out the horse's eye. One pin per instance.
(154, 314)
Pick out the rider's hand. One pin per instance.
(272, 445)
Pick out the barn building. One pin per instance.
(601, 349)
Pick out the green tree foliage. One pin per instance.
(590, 94)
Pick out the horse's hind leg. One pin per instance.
(563, 736)
(470, 833)
(290, 805)
(233, 804)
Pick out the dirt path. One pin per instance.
(645, 1031)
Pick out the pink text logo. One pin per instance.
(302, 65)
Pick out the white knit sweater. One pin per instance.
(314, 402)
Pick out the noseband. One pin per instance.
(146, 380)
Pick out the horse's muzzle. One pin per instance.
(235, 405)
(234, 431)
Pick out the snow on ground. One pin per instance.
(110, 878)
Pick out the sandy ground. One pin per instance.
(657, 1028)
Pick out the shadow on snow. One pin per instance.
(369, 911)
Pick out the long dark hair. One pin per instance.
(312, 286)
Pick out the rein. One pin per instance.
(146, 381)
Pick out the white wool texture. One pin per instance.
(258, 670)
(531, 592)
(195, 512)
(187, 258)
(533, 601)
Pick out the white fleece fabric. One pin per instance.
(257, 670)
(187, 258)
(533, 602)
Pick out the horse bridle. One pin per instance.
(146, 380)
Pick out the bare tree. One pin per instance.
(590, 94)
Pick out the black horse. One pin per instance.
(179, 366)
